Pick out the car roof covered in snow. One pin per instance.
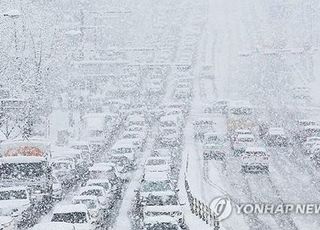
(101, 167)
(312, 127)
(88, 188)
(200, 120)
(158, 158)
(36, 140)
(22, 159)
(160, 219)
(156, 176)
(135, 118)
(245, 136)
(72, 143)
(123, 143)
(255, 149)
(162, 208)
(58, 151)
(276, 130)
(85, 197)
(68, 208)
(96, 181)
(13, 188)
(243, 131)
(54, 226)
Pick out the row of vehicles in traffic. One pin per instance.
(250, 138)
(157, 199)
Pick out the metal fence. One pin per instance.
(201, 209)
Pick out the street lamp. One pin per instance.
(13, 14)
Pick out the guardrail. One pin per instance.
(201, 210)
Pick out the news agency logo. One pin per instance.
(221, 207)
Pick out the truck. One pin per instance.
(26, 163)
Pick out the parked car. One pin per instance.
(15, 202)
(99, 192)
(276, 137)
(76, 214)
(96, 210)
(157, 164)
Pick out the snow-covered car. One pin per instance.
(57, 191)
(167, 204)
(309, 143)
(54, 226)
(255, 159)
(221, 106)
(162, 152)
(7, 223)
(76, 214)
(135, 137)
(183, 93)
(155, 184)
(15, 202)
(276, 136)
(175, 112)
(31, 171)
(99, 192)
(170, 121)
(160, 222)
(241, 142)
(309, 131)
(105, 171)
(202, 126)
(240, 132)
(169, 137)
(136, 120)
(157, 164)
(142, 130)
(64, 170)
(214, 146)
(96, 210)
(123, 152)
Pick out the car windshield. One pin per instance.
(106, 185)
(162, 226)
(245, 139)
(122, 150)
(168, 131)
(92, 192)
(241, 111)
(61, 165)
(72, 217)
(156, 162)
(130, 135)
(257, 154)
(80, 147)
(154, 186)
(22, 170)
(161, 200)
(87, 202)
(13, 195)
(97, 174)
